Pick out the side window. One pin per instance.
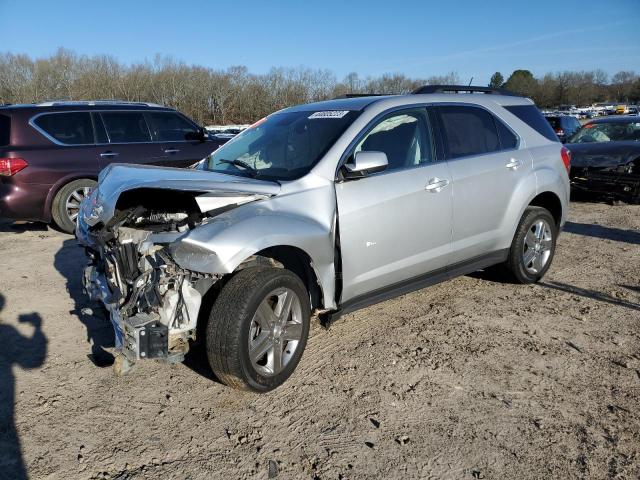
(169, 126)
(468, 131)
(73, 128)
(508, 140)
(404, 136)
(101, 133)
(126, 127)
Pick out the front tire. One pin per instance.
(258, 328)
(66, 203)
(533, 246)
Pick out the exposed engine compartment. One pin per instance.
(152, 301)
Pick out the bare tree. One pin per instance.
(235, 95)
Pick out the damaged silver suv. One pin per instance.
(320, 209)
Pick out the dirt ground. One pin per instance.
(469, 379)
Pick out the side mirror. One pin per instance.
(365, 163)
(201, 135)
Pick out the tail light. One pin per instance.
(565, 153)
(11, 166)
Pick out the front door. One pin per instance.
(395, 225)
(124, 137)
(177, 137)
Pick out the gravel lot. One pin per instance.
(469, 379)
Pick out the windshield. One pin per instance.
(283, 146)
(607, 132)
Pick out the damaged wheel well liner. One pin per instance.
(295, 260)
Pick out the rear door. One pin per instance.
(486, 165)
(124, 137)
(395, 225)
(178, 139)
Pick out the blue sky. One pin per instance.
(417, 38)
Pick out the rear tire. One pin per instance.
(258, 328)
(533, 246)
(66, 203)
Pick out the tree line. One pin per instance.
(235, 95)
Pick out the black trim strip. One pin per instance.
(416, 283)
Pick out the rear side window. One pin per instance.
(126, 127)
(508, 140)
(5, 130)
(468, 131)
(73, 128)
(530, 115)
(170, 127)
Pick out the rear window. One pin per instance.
(468, 131)
(5, 130)
(73, 128)
(530, 115)
(126, 127)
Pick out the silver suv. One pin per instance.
(320, 209)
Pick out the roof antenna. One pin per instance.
(470, 82)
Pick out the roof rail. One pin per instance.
(95, 102)
(463, 88)
(358, 95)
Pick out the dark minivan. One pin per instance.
(51, 153)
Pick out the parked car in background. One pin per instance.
(320, 208)
(564, 125)
(51, 153)
(621, 109)
(634, 110)
(605, 157)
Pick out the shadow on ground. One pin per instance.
(70, 262)
(9, 226)
(593, 294)
(24, 352)
(607, 233)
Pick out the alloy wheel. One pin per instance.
(275, 331)
(537, 246)
(72, 204)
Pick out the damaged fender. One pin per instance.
(225, 241)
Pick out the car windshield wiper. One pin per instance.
(239, 163)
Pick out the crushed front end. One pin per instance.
(129, 236)
(152, 302)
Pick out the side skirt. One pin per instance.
(416, 283)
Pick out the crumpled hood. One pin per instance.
(603, 154)
(118, 178)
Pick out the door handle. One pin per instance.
(172, 150)
(513, 164)
(109, 154)
(436, 184)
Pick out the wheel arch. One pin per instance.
(60, 183)
(295, 260)
(550, 201)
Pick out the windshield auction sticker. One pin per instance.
(329, 114)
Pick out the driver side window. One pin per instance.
(405, 137)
